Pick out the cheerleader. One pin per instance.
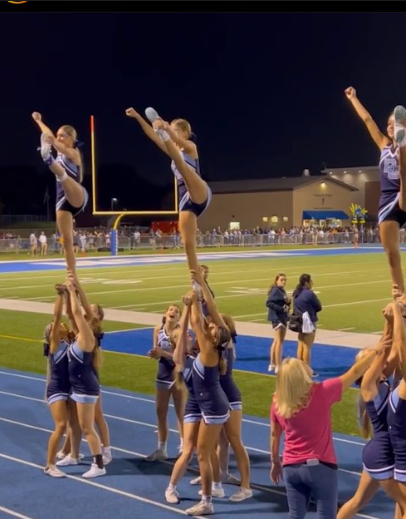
(57, 340)
(278, 310)
(397, 400)
(71, 196)
(184, 357)
(392, 202)
(165, 336)
(94, 315)
(194, 194)
(212, 400)
(83, 363)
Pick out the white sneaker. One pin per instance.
(61, 455)
(152, 114)
(157, 455)
(241, 495)
(196, 481)
(54, 472)
(400, 131)
(107, 456)
(271, 368)
(67, 461)
(45, 148)
(201, 508)
(94, 472)
(228, 478)
(215, 492)
(172, 496)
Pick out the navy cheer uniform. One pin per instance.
(227, 383)
(377, 456)
(210, 396)
(73, 171)
(389, 170)
(58, 387)
(185, 204)
(82, 376)
(397, 431)
(192, 413)
(165, 377)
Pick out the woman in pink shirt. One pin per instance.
(302, 410)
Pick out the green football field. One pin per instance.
(353, 290)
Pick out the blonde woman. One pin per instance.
(302, 410)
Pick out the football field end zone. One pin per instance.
(326, 337)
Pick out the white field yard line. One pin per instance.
(134, 273)
(328, 337)
(136, 306)
(13, 513)
(172, 287)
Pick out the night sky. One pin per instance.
(263, 93)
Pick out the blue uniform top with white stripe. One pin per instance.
(390, 175)
(59, 366)
(187, 373)
(227, 382)
(377, 455)
(183, 195)
(377, 410)
(210, 396)
(72, 170)
(82, 375)
(165, 377)
(164, 342)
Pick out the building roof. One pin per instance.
(272, 184)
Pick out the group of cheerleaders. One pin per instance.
(211, 418)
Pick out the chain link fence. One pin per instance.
(101, 242)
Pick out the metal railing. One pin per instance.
(148, 242)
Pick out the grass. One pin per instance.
(137, 373)
(353, 289)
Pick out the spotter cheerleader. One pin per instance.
(165, 336)
(57, 340)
